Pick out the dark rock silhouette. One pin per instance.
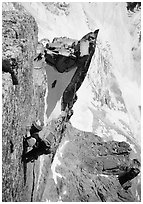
(131, 172)
(72, 59)
(60, 62)
(39, 147)
(39, 57)
(54, 83)
(83, 63)
(9, 68)
(35, 128)
(132, 5)
(128, 175)
(65, 54)
(60, 54)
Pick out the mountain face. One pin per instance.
(75, 67)
(120, 63)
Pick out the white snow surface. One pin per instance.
(116, 33)
(57, 160)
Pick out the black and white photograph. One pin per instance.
(71, 101)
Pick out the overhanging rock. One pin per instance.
(67, 63)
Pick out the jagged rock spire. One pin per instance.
(86, 48)
(65, 54)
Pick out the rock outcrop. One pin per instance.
(83, 168)
(67, 54)
(21, 101)
(78, 166)
(66, 62)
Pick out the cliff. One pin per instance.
(21, 102)
(88, 148)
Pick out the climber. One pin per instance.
(38, 145)
(9, 67)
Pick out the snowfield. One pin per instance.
(117, 37)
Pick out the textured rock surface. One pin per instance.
(81, 166)
(20, 104)
(84, 168)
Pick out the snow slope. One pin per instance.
(109, 98)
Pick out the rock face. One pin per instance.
(66, 62)
(20, 104)
(64, 57)
(86, 51)
(79, 166)
(83, 168)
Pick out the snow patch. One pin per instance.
(117, 137)
(84, 46)
(41, 163)
(60, 199)
(82, 118)
(103, 175)
(47, 200)
(64, 192)
(55, 163)
(58, 161)
(133, 148)
(62, 147)
(116, 117)
(45, 115)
